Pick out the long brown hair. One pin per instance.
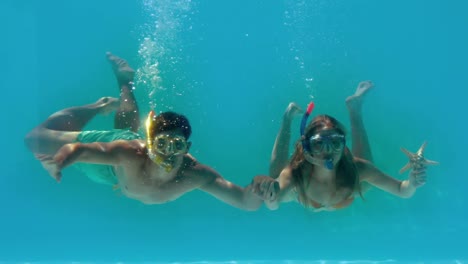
(346, 175)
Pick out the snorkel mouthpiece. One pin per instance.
(160, 161)
(328, 164)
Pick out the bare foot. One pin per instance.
(49, 165)
(292, 110)
(354, 102)
(122, 70)
(107, 105)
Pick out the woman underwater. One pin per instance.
(323, 172)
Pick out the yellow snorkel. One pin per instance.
(150, 140)
(149, 129)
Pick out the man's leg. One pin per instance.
(280, 153)
(361, 146)
(64, 126)
(127, 115)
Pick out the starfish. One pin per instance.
(416, 159)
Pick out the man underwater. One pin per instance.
(154, 170)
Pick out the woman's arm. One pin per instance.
(404, 189)
(286, 192)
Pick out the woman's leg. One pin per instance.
(280, 153)
(360, 143)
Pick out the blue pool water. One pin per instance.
(232, 67)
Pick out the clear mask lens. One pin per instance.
(320, 143)
(170, 145)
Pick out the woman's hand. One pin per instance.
(265, 187)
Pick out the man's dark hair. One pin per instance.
(167, 121)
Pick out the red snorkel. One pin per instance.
(328, 163)
(305, 143)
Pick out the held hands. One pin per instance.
(265, 187)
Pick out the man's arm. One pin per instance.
(404, 189)
(226, 191)
(111, 153)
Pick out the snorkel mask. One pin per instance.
(315, 144)
(163, 147)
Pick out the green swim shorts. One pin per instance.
(97, 172)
